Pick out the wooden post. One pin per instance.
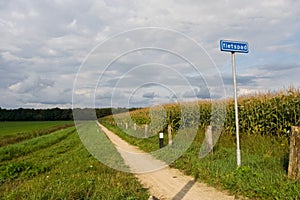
(294, 161)
(134, 126)
(208, 139)
(146, 130)
(126, 126)
(170, 134)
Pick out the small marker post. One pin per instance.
(161, 139)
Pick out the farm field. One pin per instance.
(58, 166)
(11, 128)
(12, 132)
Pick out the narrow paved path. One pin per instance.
(165, 182)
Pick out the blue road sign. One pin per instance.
(234, 46)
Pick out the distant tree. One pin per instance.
(26, 114)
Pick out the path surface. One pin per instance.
(165, 183)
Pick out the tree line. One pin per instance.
(53, 114)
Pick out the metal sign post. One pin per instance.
(242, 47)
(238, 150)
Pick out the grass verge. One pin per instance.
(146, 144)
(20, 149)
(64, 170)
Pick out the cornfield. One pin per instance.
(265, 114)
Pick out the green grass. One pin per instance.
(146, 144)
(263, 174)
(11, 128)
(58, 166)
(97, 143)
(15, 150)
(14, 132)
(151, 144)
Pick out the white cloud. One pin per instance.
(7, 56)
(31, 83)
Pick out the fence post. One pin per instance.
(134, 126)
(208, 139)
(170, 135)
(294, 160)
(146, 130)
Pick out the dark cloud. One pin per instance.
(150, 95)
(241, 80)
(279, 68)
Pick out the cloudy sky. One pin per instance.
(141, 53)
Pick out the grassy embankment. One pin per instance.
(58, 166)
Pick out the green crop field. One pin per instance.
(11, 128)
(57, 166)
(13, 132)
